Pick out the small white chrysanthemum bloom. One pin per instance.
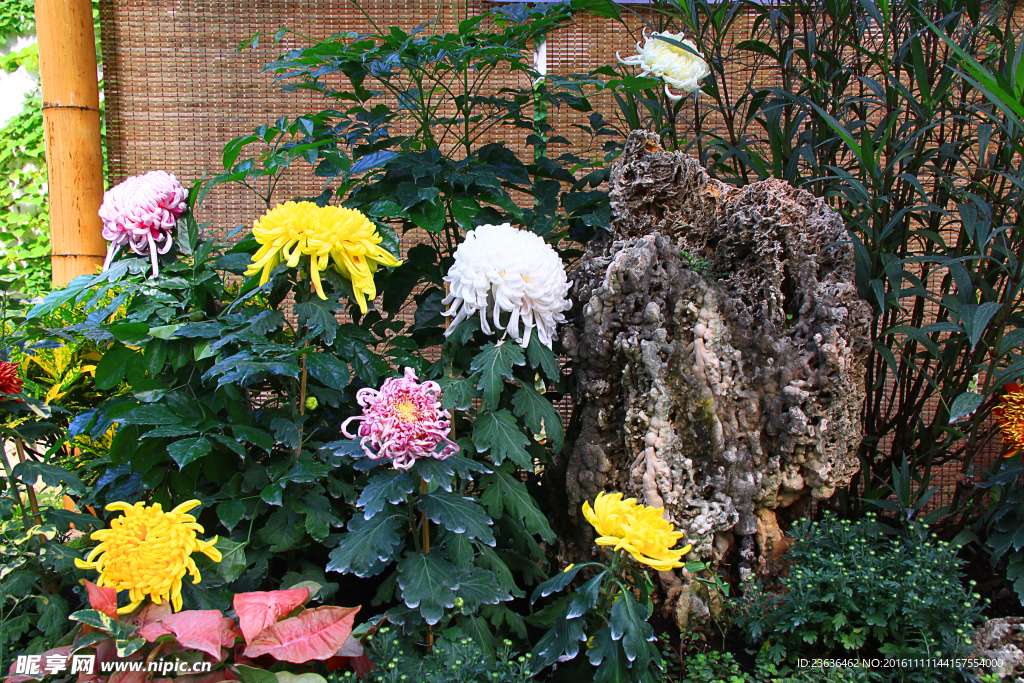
(508, 271)
(674, 65)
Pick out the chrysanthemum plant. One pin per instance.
(609, 610)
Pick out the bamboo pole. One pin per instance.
(71, 118)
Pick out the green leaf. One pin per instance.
(477, 587)
(607, 657)
(230, 513)
(504, 494)
(232, 562)
(27, 472)
(428, 582)
(111, 368)
(586, 596)
(329, 369)
(498, 433)
(257, 437)
(556, 583)
(188, 450)
(458, 514)
(428, 215)
(965, 404)
(101, 621)
(319, 516)
(539, 415)
(543, 358)
(458, 394)
(562, 640)
(493, 363)
(390, 486)
(318, 316)
(629, 624)
(369, 543)
(464, 210)
(283, 531)
(150, 414)
(286, 432)
(976, 318)
(129, 333)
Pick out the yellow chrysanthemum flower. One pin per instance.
(327, 234)
(607, 513)
(640, 530)
(148, 551)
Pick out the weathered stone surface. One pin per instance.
(718, 347)
(999, 642)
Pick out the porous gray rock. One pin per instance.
(718, 346)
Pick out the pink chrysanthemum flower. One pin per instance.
(140, 212)
(403, 421)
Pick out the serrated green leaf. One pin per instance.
(543, 358)
(497, 433)
(477, 587)
(492, 366)
(369, 544)
(504, 494)
(390, 486)
(319, 516)
(428, 582)
(556, 583)
(628, 623)
(327, 368)
(607, 657)
(563, 639)
(458, 514)
(540, 416)
(318, 316)
(458, 547)
(458, 394)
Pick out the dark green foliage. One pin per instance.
(455, 658)
(860, 587)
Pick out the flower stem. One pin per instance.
(425, 526)
(19, 445)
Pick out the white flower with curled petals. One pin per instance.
(677, 67)
(500, 270)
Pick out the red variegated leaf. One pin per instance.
(102, 598)
(194, 629)
(256, 611)
(313, 634)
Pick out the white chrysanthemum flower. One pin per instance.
(671, 63)
(505, 270)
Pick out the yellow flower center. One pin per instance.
(406, 411)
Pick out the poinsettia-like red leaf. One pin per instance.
(102, 598)
(197, 629)
(362, 665)
(256, 611)
(151, 613)
(228, 632)
(313, 634)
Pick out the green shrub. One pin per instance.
(455, 658)
(859, 587)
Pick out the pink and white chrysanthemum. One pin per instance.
(403, 421)
(140, 212)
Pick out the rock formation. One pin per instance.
(718, 346)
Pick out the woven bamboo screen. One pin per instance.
(177, 89)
